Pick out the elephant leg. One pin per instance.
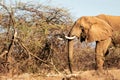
(106, 45)
(101, 49)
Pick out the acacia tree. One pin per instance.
(29, 38)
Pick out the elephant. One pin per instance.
(101, 29)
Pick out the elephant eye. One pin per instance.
(82, 30)
(81, 27)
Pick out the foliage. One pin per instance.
(36, 46)
(29, 40)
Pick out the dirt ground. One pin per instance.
(82, 75)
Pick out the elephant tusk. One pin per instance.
(70, 37)
(59, 38)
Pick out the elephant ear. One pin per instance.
(99, 30)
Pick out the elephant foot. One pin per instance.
(100, 72)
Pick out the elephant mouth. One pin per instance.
(82, 39)
(70, 38)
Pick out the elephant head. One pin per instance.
(89, 29)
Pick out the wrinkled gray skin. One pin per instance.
(101, 29)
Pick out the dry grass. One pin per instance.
(83, 75)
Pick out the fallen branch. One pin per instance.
(64, 75)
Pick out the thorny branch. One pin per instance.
(27, 38)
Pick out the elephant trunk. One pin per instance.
(70, 54)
